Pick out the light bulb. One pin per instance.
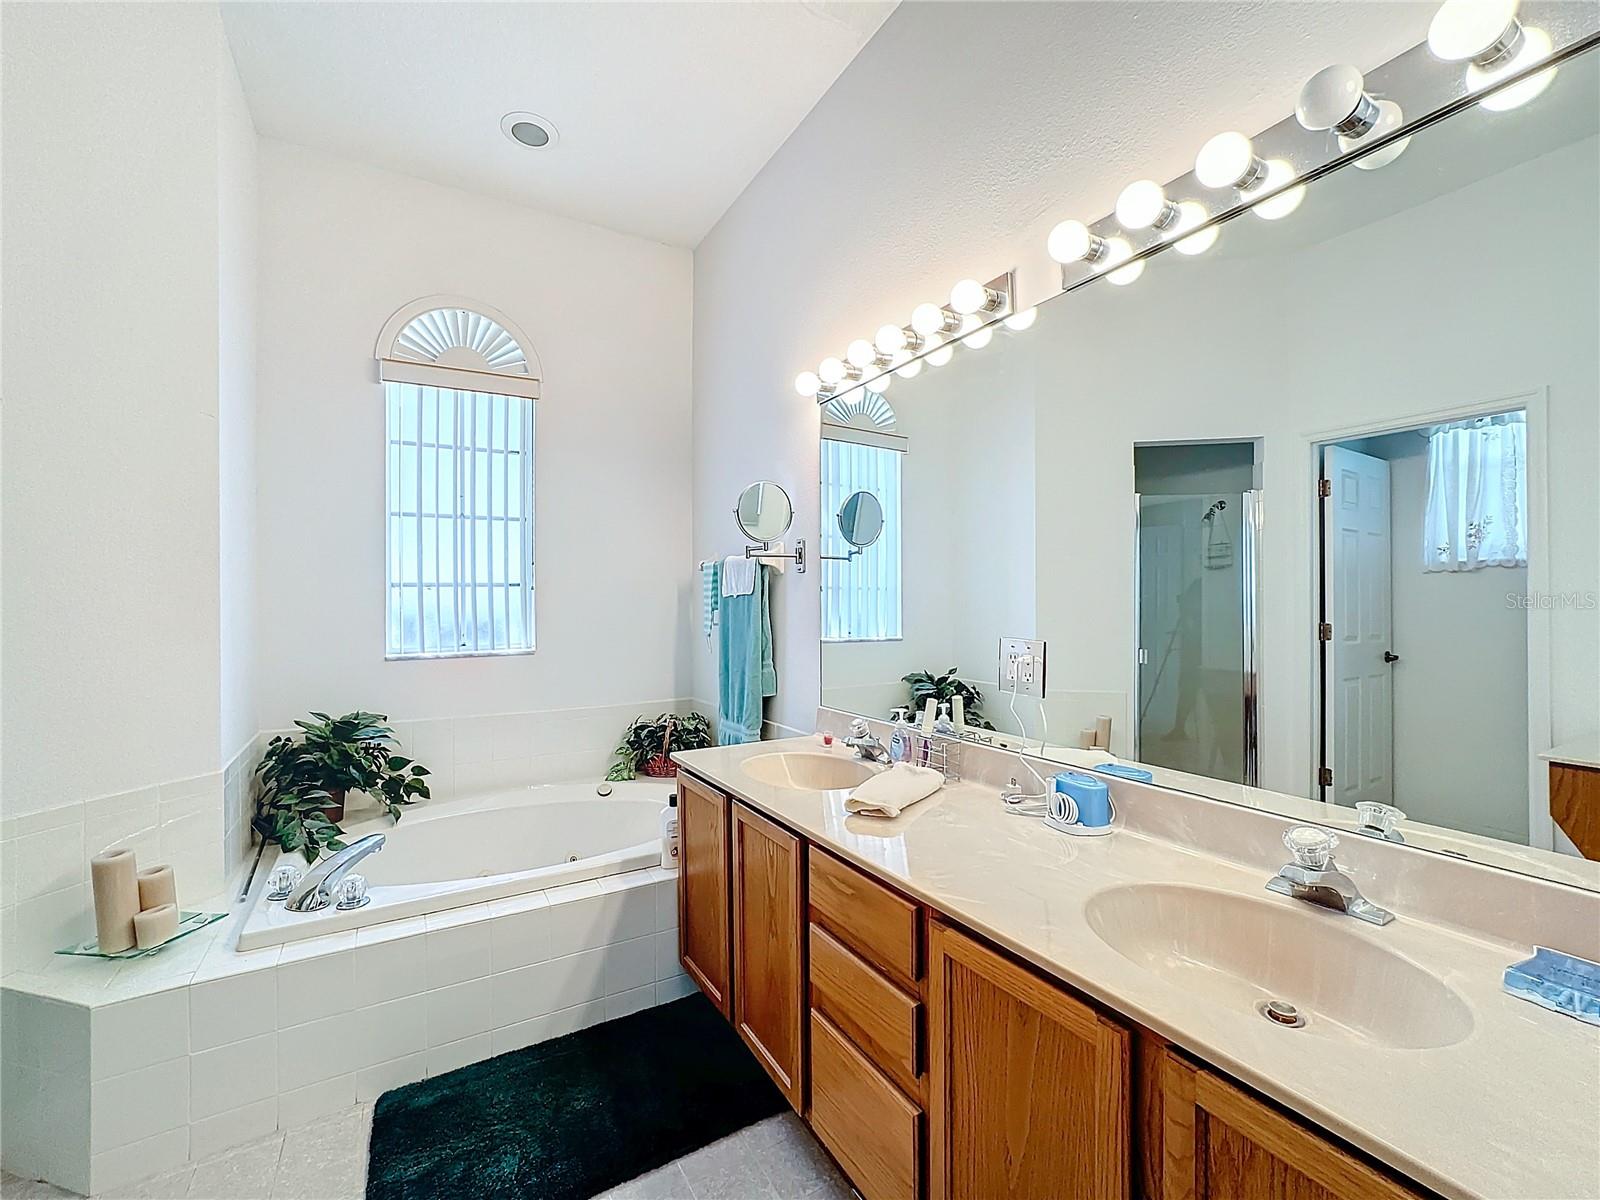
(941, 356)
(807, 383)
(970, 296)
(1535, 46)
(1482, 31)
(911, 370)
(1143, 204)
(1228, 161)
(1017, 322)
(1071, 242)
(928, 319)
(891, 338)
(831, 371)
(1117, 251)
(978, 339)
(1280, 203)
(861, 353)
(1336, 98)
(1191, 215)
(1390, 118)
(881, 383)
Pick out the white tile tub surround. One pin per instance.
(45, 898)
(227, 1047)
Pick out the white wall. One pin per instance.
(344, 246)
(236, 415)
(110, 278)
(999, 120)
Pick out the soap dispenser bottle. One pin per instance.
(900, 741)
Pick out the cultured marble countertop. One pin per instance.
(1580, 752)
(1512, 1110)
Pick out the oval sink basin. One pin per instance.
(1238, 951)
(807, 772)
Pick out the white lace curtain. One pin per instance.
(1477, 509)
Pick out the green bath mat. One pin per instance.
(571, 1117)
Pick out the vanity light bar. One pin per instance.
(1502, 55)
(929, 337)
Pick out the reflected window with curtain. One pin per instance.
(861, 589)
(1477, 508)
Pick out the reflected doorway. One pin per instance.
(1196, 571)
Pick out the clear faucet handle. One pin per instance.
(859, 727)
(352, 891)
(1312, 847)
(283, 880)
(1378, 816)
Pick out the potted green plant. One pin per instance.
(305, 777)
(924, 686)
(648, 744)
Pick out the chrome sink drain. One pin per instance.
(1281, 1012)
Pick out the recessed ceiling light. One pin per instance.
(530, 130)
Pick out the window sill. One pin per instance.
(436, 655)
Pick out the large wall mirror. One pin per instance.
(1311, 516)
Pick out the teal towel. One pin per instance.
(710, 595)
(746, 672)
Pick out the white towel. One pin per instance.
(739, 575)
(890, 792)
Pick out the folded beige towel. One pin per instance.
(890, 792)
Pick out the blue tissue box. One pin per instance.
(1562, 983)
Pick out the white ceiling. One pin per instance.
(665, 110)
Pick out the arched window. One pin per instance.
(861, 589)
(459, 382)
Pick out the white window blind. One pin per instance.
(460, 522)
(860, 597)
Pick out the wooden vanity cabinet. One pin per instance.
(934, 1066)
(704, 930)
(1221, 1143)
(1028, 1087)
(768, 948)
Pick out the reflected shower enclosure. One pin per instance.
(1196, 594)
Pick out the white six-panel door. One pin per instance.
(1358, 685)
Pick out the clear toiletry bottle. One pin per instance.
(944, 726)
(900, 742)
(669, 835)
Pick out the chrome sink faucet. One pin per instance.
(1314, 877)
(316, 889)
(867, 747)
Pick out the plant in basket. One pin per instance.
(647, 744)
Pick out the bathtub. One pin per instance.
(454, 853)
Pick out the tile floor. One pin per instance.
(775, 1159)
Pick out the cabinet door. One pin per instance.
(703, 889)
(1028, 1087)
(1219, 1143)
(768, 967)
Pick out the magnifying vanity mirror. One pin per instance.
(1305, 513)
(764, 512)
(860, 520)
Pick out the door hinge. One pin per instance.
(1324, 632)
(1324, 488)
(1325, 776)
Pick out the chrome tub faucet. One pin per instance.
(317, 889)
(1314, 877)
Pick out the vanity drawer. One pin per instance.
(871, 1128)
(881, 926)
(875, 1014)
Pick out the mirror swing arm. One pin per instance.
(764, 551)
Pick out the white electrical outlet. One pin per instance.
(1021, 667)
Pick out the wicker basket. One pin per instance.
(661, 767)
